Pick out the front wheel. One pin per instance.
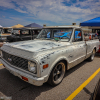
(92, 55)
(57, 74)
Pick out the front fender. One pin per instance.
(58, 60)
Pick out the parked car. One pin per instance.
(22, 34)
(46, 59)
(4, 32)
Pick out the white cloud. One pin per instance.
(55, 10)
(19, 10)
(6, 4)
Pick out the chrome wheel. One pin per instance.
(57, 74)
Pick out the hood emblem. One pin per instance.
(9, 59)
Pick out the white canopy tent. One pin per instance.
(0, 26)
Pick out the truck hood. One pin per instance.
(33, 48)
(35, 45)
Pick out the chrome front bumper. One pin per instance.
(31, 79)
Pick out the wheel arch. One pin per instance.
(57, 61)
(52, 67)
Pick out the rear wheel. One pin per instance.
(92, 55)
(57, 74)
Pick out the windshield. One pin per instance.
(59, 33)
(15, 31)
(23, 32)
(7, 30)
(56, 34)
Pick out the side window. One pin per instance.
(77, 35)
(45, 33)
(26, 32)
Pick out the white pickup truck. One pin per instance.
(46, 58)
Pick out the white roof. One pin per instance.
(62, 27)
(0, 26)
(6, 27)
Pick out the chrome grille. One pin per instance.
(16, 61)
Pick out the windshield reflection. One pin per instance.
(61, 34)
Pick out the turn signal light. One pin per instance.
(45, 66)
(24, 78)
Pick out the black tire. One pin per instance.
(91, 58)
(96, 93)
(57, 74)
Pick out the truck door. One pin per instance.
(79, 47)
(89, 48)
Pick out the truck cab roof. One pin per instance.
(62, 27)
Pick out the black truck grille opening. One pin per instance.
(16, 61)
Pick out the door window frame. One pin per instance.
(74, 36)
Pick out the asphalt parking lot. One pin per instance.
(12, 86)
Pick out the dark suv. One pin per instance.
(22, 34)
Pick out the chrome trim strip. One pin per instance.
(77, 59)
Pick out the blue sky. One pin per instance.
(49, 12)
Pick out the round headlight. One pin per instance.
(32, 67)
